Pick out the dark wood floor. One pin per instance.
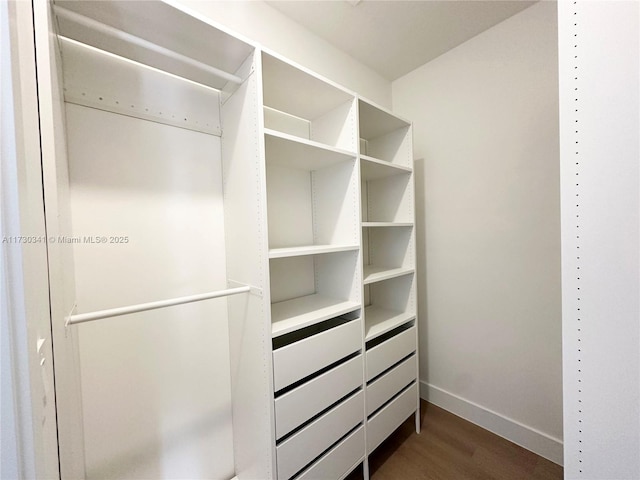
(450, 448)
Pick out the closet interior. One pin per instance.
(255, 221)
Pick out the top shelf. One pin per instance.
(297, 91)
(160, 24)
(376, 121)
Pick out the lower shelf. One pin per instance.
(304, 311)
(379, 321)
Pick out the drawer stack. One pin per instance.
(319, 399)
(391, 382)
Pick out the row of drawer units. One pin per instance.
(320, 399)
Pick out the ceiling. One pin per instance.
(394, 37)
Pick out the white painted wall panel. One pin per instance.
(485, 120)
(600, 129)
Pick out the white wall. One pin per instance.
(486, 124)
(261, 23)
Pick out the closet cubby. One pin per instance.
(304, 105)
(387, 252)
(387, 200)
(308, 289)
(384, 136)
(389, 304)
(311, 198)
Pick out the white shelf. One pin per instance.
(373, 273)
(292, 315)
(379, 321)
(309, 250)
(160, 23)
(376, 121)
(386, 224)
(374, 168)
(297, 91)
(295, 152)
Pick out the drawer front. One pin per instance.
(300, 449)
(390, 383)
(300, 404)
(339, 461)
(383, 423)
(382, 356)
(296, 361)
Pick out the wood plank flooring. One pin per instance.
(450, 448)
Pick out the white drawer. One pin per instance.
(383, 423)
(390, 383)
(300, 449)
(297, 360)
(382, 356)
(303, 402)
(339, 461)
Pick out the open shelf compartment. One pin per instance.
(311, 198)
(379, 320)
(388, 199)
(383, 135)
(389, 304)
(306, 290)
(300, 103)
(387, 253)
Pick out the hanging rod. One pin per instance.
(141, 42)
(143, 307)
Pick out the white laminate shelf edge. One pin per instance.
(374, 273)
(296, 152)
(386, 224)
(379, 321)
(374, 168)
(292, 315)
(309, 250)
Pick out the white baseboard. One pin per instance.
(538, 442)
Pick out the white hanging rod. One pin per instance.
(141, 42)
(142, 307)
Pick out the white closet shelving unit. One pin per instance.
(315, 278)
(317, 208)
(388, 245)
